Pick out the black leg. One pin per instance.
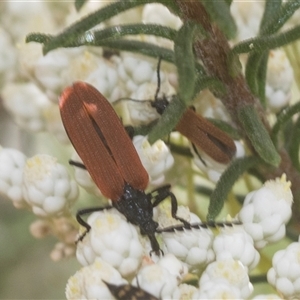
(199, 156)
(77, 164)
(164, 192)
(86, 211)
(158, 78)
(154, 245)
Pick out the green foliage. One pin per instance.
(294, 145)
(94, 38)
(279, 16)
(282, 118)
(225, 183)
(226, 127)
(185, 61)
(207, 82)
(264, 43)
(219, 11)
(272, 7)
(275, 16)
(258, 135)
(168, 120)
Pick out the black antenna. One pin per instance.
(158, 78)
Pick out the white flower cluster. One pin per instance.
(227, 276)
(47, 187)
(285, 272)
(114, 240)
(159, 14)
(266, 211)
(43, 186)
(12, 164)
(156, 158)
(222, 262)
(27, 104)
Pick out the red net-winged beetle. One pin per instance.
(109, 156)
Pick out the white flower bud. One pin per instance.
(234, 242)
(64, 228)
(217, 289)
(40, 228)
(266, 211)
(12, 164)
(112, 239)
(140, 111)
(27, 104)
(193, 247)
(106, 80)
(280, 77)
(134, 72)
(184, 291)
(38, 16)
(60, 68)
(229, 271)
(156, 158)
(285, 272)
(156, 280)
(47, 186)
(141, 71)
(173, 265)
(87, 282)
(61, 251)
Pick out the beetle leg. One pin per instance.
(77, 164)
(164, 192)
(83, 223)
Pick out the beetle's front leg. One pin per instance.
(83, 223)
(163, 193)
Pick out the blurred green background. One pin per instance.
(27, 272)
